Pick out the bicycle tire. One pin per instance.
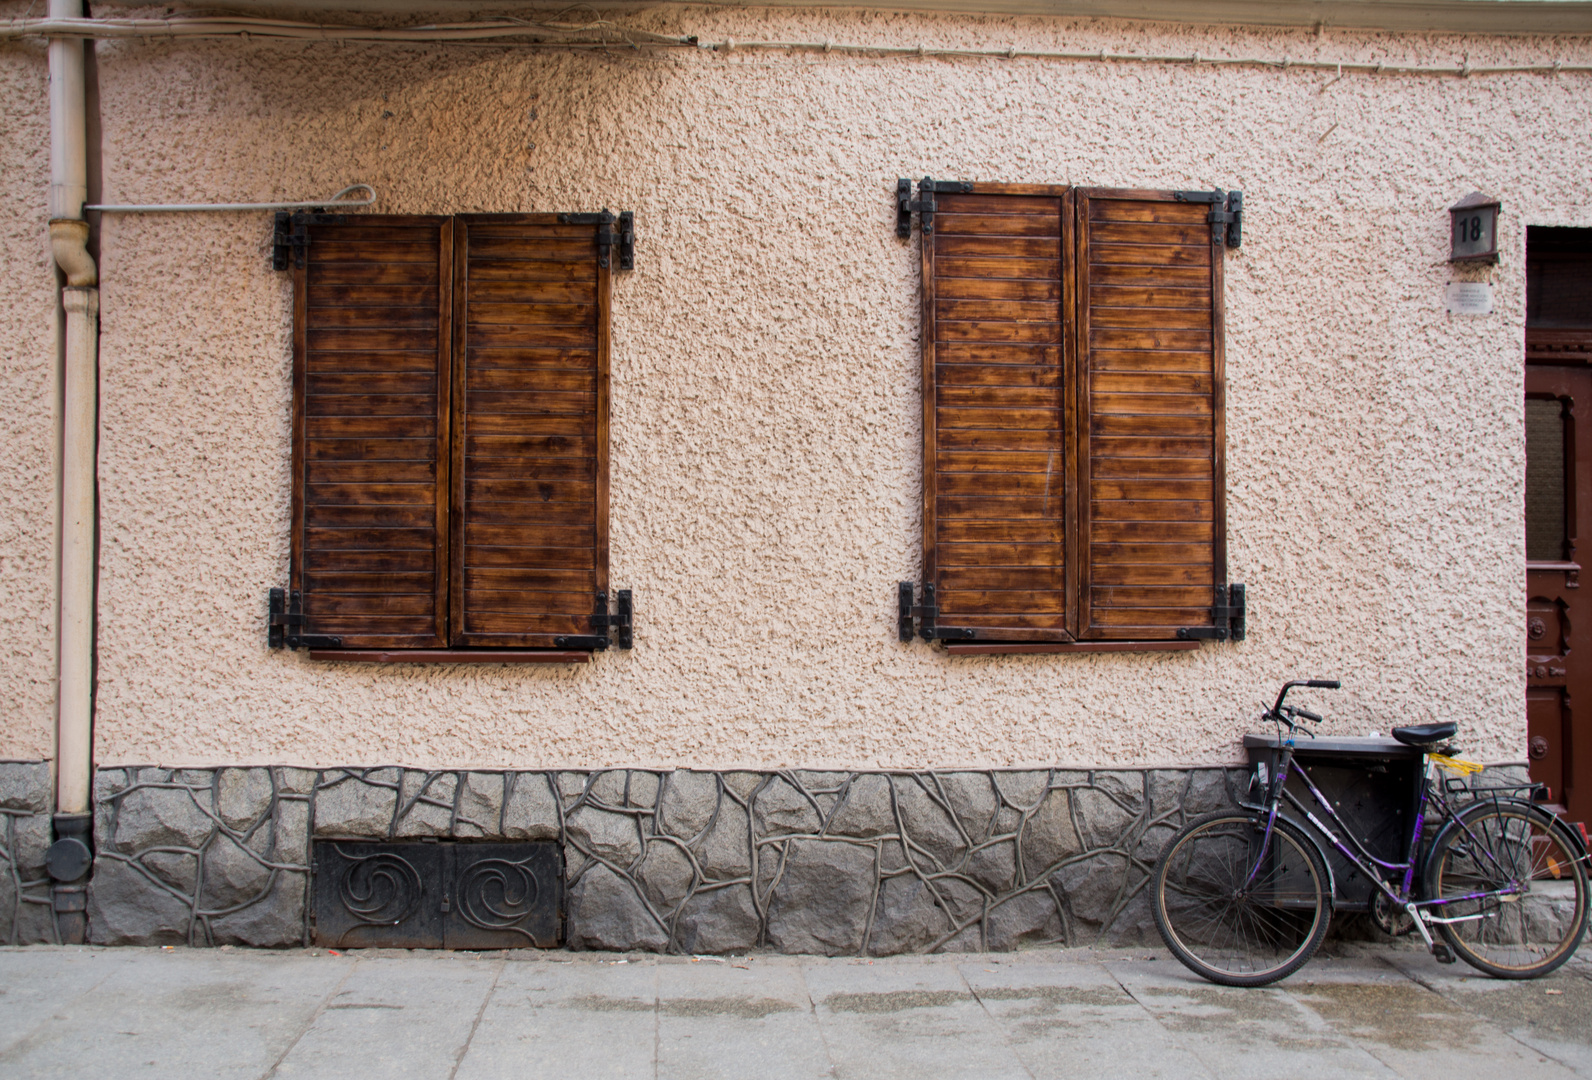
(1519, 936)
(1232, 927)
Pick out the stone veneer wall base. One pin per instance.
(835, 863)
(26, 917)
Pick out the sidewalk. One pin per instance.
(1362, 1011)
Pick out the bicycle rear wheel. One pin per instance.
(1237, 914)
(1512, 873)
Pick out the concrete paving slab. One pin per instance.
(396, 1015)
(593, 1017)
(1243, 1034)
(736, 1020)
(1415, 1031)
(179, 1012)
(1069, 1019)
(883, 1020)
(37, 983)
(1548, 1019)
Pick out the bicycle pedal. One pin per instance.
(1442, 953)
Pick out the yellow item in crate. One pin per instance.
(1464, 768)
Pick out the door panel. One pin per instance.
(1558, 664)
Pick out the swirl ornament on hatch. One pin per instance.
(494, 894)
(380, 890)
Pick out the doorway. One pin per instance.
(1558, 512)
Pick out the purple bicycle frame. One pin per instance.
(1364, 859)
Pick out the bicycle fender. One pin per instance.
(1452, 823)
(1314, 836)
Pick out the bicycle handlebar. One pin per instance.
(1319, 684)
(1307, 714)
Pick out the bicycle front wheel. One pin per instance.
(1510, 877)
(1236, 910)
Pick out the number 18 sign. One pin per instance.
(1475, 235)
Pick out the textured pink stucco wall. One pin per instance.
(766, 444)
(29, 412)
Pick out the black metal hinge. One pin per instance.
(1227, 618)
(926, 613)
(290, 237)
(924, 204)
(1226, 216)
(607, 238)
(602, 622)
(286, 623)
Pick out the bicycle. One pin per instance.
(1243, 897)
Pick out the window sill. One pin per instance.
(453, 656)
(995, 649)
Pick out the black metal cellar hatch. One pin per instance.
(437, 894)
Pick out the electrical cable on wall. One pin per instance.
(602, 35)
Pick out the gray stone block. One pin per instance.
(243, 796)
(611, 837)
(605, 913)
(296, 781)
(290, 832)
(349, 805)
(1091, 889)
(427, 804)
(1102, 819)
(666, 874)
(276, 920)
(743, 784)
(928, 824)
(480, 805)
(721, 921)
(1048, 836)
(608, 787)
(126, 908)
(1021, 790)
(994, 866)
(726, 851)
(822, 901)
(865, 810)
(687, 803)
(781, 810)
(972, 798)
(233, 875)
(153, 813)
(25, 785)
(1029, 918)
(531, 813)
(907, 918)
(30, 838)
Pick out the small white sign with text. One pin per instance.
(1469, 298)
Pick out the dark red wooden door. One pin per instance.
(1558, 611)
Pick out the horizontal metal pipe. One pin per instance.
(336, 202)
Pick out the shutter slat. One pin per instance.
(372, 314)
(530, 399)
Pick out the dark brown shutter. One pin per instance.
(371, 331)
(1150, 370)
(530, 525)
(997, 394)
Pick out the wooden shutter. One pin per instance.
(1150, 441)
(371, 330)
(530, 519)
(997, 507)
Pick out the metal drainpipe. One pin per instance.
(70, 856)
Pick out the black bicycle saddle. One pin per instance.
(1425, 736)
